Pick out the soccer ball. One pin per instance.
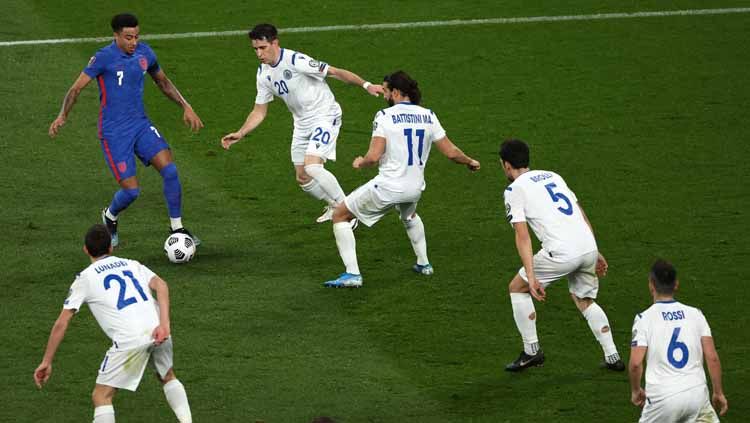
(180, 248)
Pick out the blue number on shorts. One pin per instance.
(557, 196)
(410, 145)
(281, 87)
(123, 302)
(674, 344)
(321, 136)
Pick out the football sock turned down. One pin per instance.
(172, 190)
(315, 190)
(104, 414)
(122, 199)
(327, 181)
(415, 231)
(178, 401)
(524, 314)
(347, 246)
(600, 327)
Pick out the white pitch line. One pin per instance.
(456, 22)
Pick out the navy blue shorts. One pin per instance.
(121, 147)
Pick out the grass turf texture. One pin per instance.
(645, 118)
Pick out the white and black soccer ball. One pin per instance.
(180, 248)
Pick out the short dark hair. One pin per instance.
(401, 81)
(97, 240)
(263, 32)
(664, 277)
(124, 20)
(515, 152)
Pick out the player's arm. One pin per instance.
(354, 79)
(454, 153)
(523, 245)
(374, 153)
(714, 369)
(70, 99)
(254, 119)
(635, 371)
(601, 263)
(161, 332)
(166, 86)
(44, 370)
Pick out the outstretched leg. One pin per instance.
(176, 397)
(123, 198)
(524, 315)
(347, 247)
(102, 396)
(599, 325)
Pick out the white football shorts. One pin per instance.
(581, 273)
(318, 140)
(687, 406)
(369, 203)
(124, 368)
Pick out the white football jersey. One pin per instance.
(672, 332)
(543, 200)
(299, 80)
(409, 131)
(118, 294)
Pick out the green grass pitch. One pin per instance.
(646, 118)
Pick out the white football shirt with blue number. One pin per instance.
(543, 200)
(299, 80)
(409, 131)
(118, 294)
(672, 332)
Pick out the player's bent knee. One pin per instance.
(170, 376)
(131, 194)
(342, 214)
(102, 395)
(169, 171)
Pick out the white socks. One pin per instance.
(524, 314)
(327, 181)
(600, 327)
(104, 414)
(109, 215)
(177, 399)
(315, 190)
(415, 231)
(347, 246)
(175, 223)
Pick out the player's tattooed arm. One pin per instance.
(166, 86)
(454, 153)
(70, 99)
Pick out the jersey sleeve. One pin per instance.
(265, 94)
(97, 64)
(703, 328)
(438, 133)
(378, 128)
(640, 332)
(153, 64)
(309, 66)
(144, 273)
(76, 295)
(514, 205)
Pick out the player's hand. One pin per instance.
(720, 403)
(357, 163)
(375, 89)
(229, 139)
(473, 165)
(160, 334)
(601, 266)
(536, 289)
(191, 119)
(44, 371)
(54, 128)
(638, 398)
